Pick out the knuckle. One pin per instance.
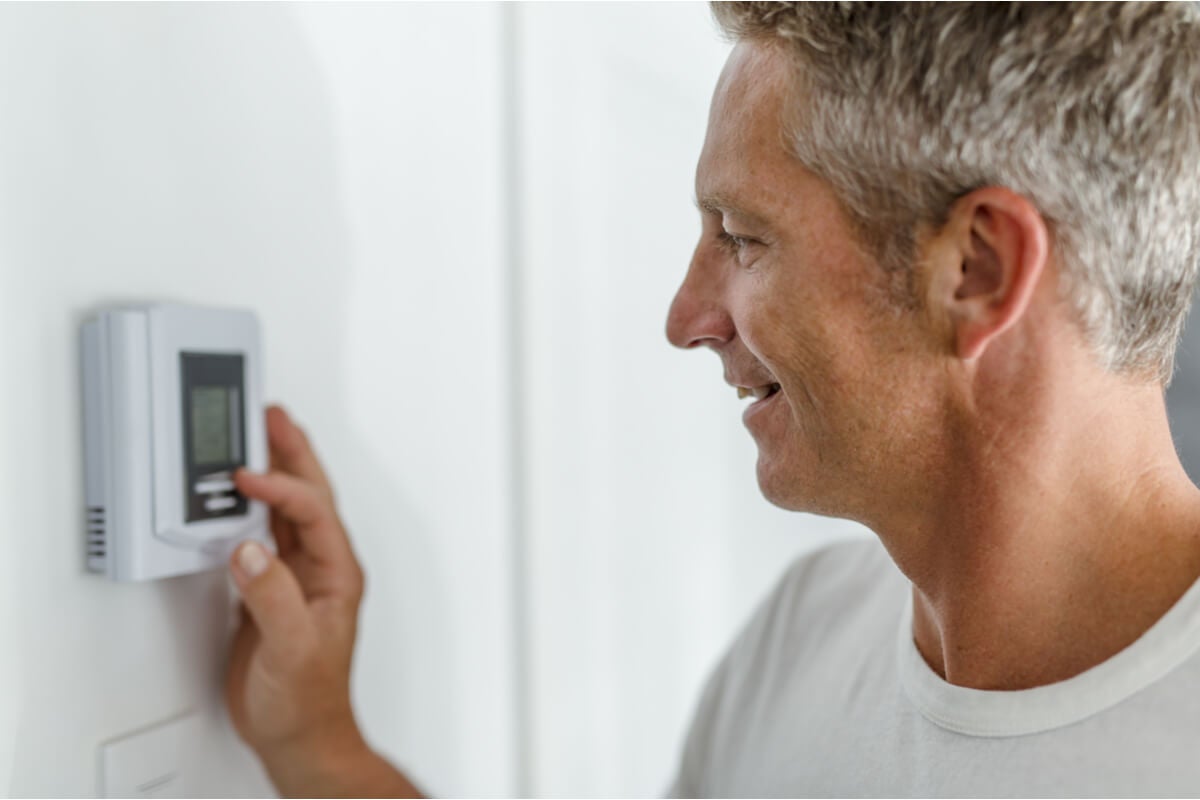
(300, 441)
(323, 505)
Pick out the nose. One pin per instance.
(697, 315)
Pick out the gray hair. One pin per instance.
(1091, 111)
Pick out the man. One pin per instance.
(948, 249)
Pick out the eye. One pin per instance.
(738, 247)
(732, 243)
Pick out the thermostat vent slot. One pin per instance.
(97, 537)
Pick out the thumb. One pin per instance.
(274, 599)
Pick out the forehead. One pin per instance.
(744, 158)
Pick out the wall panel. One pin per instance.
(294, 160)
(649, 541)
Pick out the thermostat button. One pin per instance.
(220, 503)
(214, 487)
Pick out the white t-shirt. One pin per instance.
(824, 693)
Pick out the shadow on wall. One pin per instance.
(1183, 398)
(154, 152)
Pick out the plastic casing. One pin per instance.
(133, 439)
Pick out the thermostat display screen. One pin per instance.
(213, 408)
(214, 424)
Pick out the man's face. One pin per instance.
(779, 288)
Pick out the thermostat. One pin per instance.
(172, 407)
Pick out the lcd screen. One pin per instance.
(212, 433)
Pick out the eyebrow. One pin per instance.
(720, 204)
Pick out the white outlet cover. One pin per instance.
(158, 761)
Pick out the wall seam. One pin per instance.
(518, 441)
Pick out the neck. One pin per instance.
(1050, 546)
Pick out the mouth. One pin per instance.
(759, 393)
(764, 398)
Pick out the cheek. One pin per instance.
(793, 341)
(815, 339)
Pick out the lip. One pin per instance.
(759, 406)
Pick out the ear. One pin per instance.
(991, 254)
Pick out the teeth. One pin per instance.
(759, 392)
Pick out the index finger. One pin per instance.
(291, 451)
(317, 527)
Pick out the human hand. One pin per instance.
(288, 686)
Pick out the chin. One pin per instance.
(796, 490)
(782, 488)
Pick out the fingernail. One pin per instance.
(253, 559)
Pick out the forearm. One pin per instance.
(345, 766)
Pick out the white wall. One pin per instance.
(650, 541)
(297, 160)
(10, 673)
(544, 600)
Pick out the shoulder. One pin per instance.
(834, 570)
(823, 592)
(827, 598)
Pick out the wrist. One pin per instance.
(322, 761)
